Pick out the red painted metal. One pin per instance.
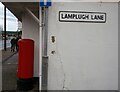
(25, 58)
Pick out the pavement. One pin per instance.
(9, 72)
(7, 54)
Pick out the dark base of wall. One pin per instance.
(35, 79)
(81, 91)
(36, 84)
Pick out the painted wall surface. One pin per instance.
(30, 30)
(84, 56)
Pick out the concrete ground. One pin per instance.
(7, 54)
(9, 72)
(9, 69)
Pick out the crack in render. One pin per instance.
(64, 78)
(64, 75)
(64, 84)
(64, 81)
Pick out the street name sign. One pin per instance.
(76, 16)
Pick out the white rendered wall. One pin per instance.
(30, 30)
(86, 54)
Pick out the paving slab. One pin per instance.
(7, 54)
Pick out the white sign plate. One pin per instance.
(76, 16)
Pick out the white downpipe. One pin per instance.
(40, 50)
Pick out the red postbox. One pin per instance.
(25, 64)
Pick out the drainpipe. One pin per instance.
(5, 28)
(45, 29)
(43, 34)
(40, 47)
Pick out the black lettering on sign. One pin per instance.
(75, 16)
(97, 17)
